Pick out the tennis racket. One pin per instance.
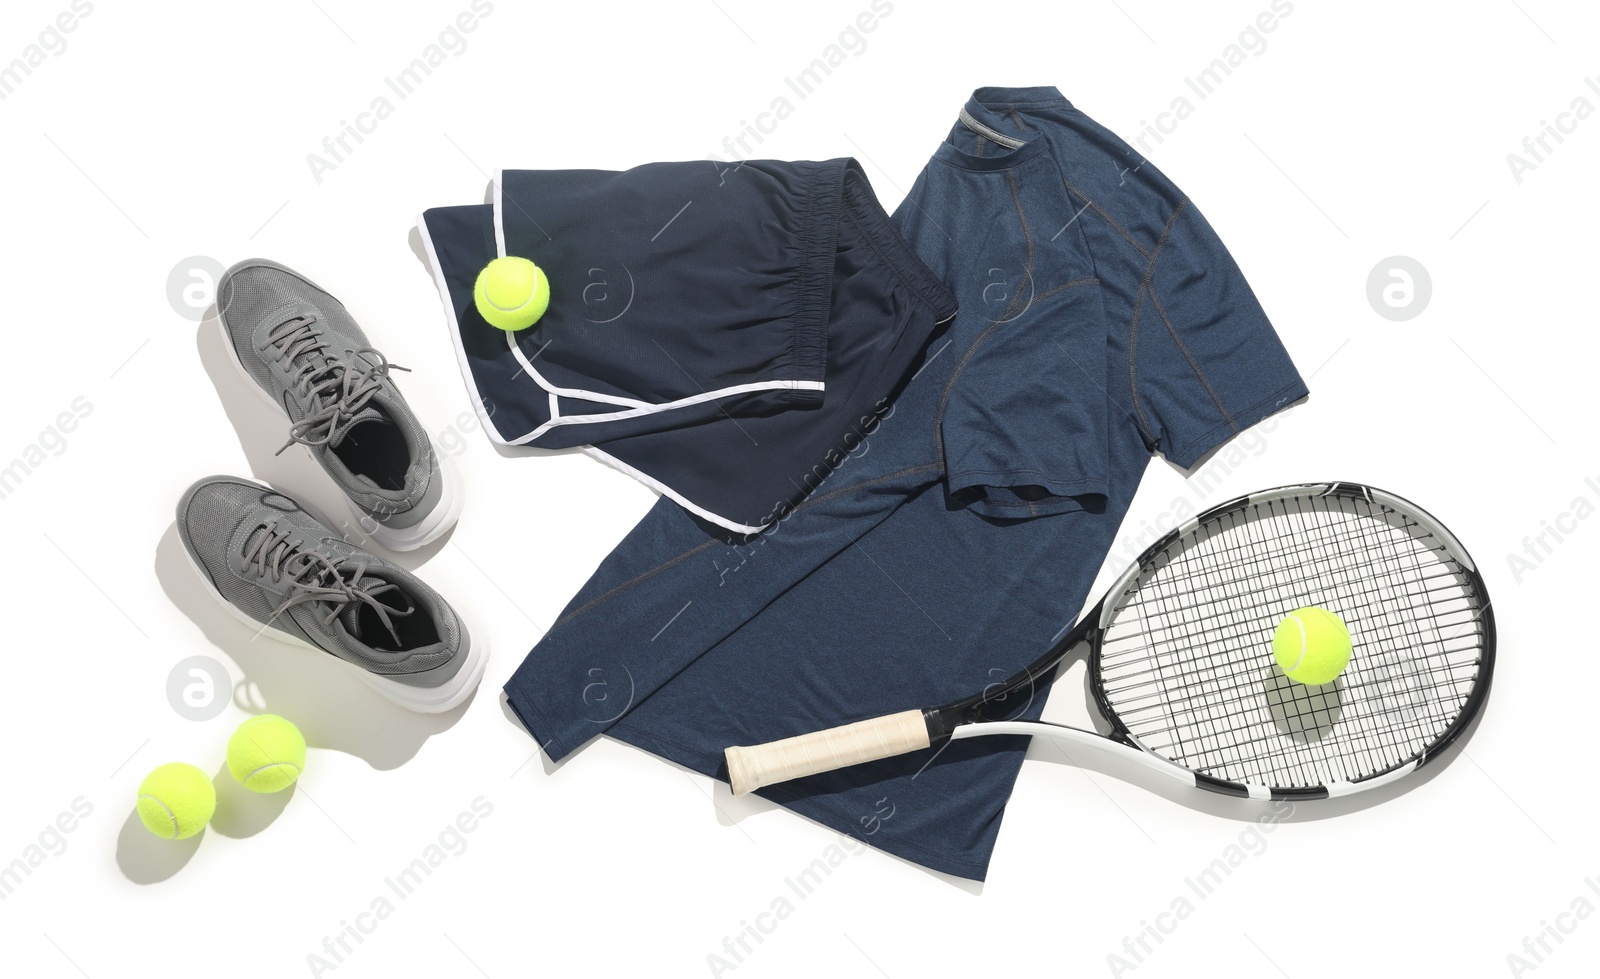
(1181, 666)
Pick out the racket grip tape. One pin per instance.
(750, 768)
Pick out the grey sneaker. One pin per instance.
(279, 570)
(301, 349)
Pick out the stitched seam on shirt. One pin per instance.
(1133, 380)
(939, 417)
(1063, 287)
(1130, 239)
(1027, 242)
(908, 471)
(1027, 237)
(1194, 365)
(625, 586)
(1133, 325)
(1211, 433)
(1024, 471)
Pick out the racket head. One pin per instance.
(1181, 660)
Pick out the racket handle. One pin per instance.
(750, 768)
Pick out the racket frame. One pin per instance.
(968, 715)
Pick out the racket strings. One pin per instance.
(1196, 626)
(1130, 695)
(1248, 608)
(1313, 712)
(1364, 731)
(1383, 731)
(1318, 703)
(1251, 624)
(1223, 569)
(1186, 661)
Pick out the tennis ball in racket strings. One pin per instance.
(1312, 645)
(511, 293)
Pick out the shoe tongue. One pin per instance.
(350, 616)
(362, 417)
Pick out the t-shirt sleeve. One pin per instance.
(1204, 361)
(1023, 426)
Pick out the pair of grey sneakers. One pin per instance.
(280, 568)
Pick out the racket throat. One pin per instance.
(943, 721)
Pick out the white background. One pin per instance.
(168, 131)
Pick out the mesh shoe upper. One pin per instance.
(280, 566)
(301, 346)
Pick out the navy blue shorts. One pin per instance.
(1102, 321)
(726, 333)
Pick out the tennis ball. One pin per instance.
(176, 801)
(1312, 645)
(266, 753)
(511, 293)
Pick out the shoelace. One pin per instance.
(337, 393)
(315, 577)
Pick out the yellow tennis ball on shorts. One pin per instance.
(511, 293)
(176, 801)
(266, 753)
(1312, 645)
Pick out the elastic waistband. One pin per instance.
(819, 238)
(862, 204)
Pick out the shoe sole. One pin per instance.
(445, 513)
(423, 700)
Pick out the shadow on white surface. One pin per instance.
(241, 813)
(326, 700)
(145, 858)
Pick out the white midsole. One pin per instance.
(425, 700)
